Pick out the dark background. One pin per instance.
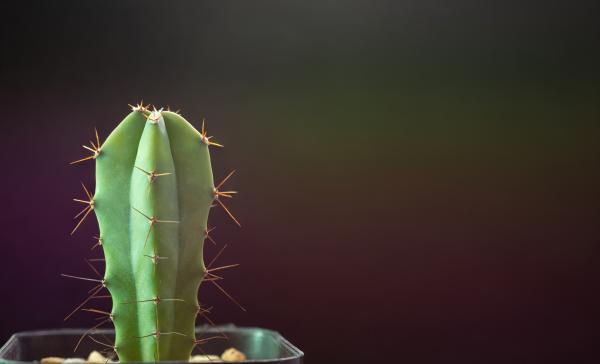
(419, 178)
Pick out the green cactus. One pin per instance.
(154, 191)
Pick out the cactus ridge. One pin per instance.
(153, 194)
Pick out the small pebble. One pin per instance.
(232, 354)
(74, 361)
(205, 359)
(52, 360)
(96, 357)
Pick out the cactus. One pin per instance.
(154, 190)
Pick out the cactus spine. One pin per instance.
(154, 190)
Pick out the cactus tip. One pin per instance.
(155, 116)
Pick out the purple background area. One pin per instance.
(419, 181)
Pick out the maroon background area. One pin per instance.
(419, 180)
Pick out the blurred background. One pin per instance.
(419, 179)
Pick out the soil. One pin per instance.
(229, 355)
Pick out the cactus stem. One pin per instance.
(227, 294)
(156, 334)
(157, 144)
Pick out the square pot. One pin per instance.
(259, 345)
